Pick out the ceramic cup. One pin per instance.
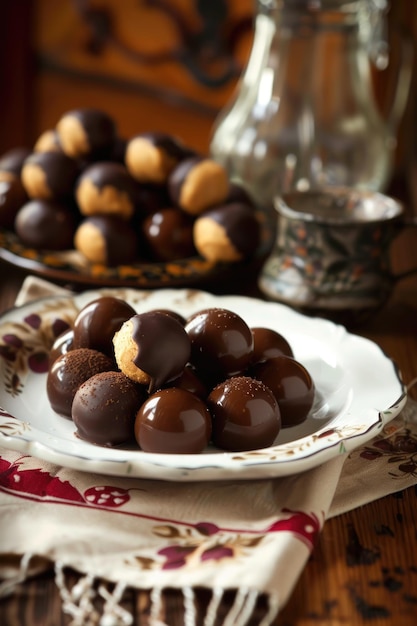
(332, 251)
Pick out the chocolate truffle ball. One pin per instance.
(105, 407)
(98, 321)
(45, 224)
(173, 421)
(107, 239)
(230, 232)
(62, 344)
(152, 348)
(221, 343)
(106, 188)
(168, 235)
(151, 157)
(86, 133)
(12, 160)
(197, 184)
(268, 343)
(68, 372)
(12, 198)
(291, 385)
(245, 414)
(49, 175)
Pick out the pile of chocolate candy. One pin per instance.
(117, 202)
(175, 385)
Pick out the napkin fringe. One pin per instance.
(8, 586)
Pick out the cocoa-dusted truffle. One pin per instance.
(152, 348)
(291, 384)
(245, 414)
(49, 175)
(45, 224)
(268, 343)
(221, 342)
(106, 188)
(168, 235)
(151, 157)
(12, 198)
(107, 239)
(98, 321)
(228, 233)
(173, 421)
(86, 133)
(68, 372)
(197, 184)
(105, 407)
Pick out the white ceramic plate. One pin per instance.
(358, 391)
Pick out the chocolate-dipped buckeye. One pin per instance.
(150, 198)
(86, 133)
(106, 188)
(105, 407)
(107, 239)
(268, 343)
(197, 184)
(151, 157)
(12, 198)
(229, 232)
(173, 421)
(221, 343)
(46, 224)
(68, 372)
(238, 193)
(168, 235)
(152, 348)
(98, 321)
(245, 414)
(48, 141)
(12, 160)
(49, 175)
(291, 385)
(62, 344)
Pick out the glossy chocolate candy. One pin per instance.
(268, 343)
(168, 235)
(245, 414)
(291, 384)
(173, 421)
(45, 224)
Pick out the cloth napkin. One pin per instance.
(250, 537)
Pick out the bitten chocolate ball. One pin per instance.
(49, 175)
(229, 233)
(12, 198)
(268, 343)
(107, 239)
(221, 342)
(291, 385)
(197, 184)
(68, 372)
(45, 224)
(152, 348)
(86, 133)
(168, 235)
(106, 188)
(105, 407)
(245, 414)
(151, 157)
(98, 321)
(173, 421)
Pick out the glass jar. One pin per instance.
(304, 114)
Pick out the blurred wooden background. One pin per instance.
(166, 65)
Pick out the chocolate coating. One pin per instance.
(268, 343)
(49, 175)
(107, 239)
(45, 224)
(238, 193)
(62, 344)
(221, 342)
(104, 409)
(230, 232)
(106, 188)
(245, 414)
(68, 372)
(173, 421)
(97, 322)
(12, 160)
(86, 133)
(168, 235)
(198, 183)
(291, 385)
(150, 157)
(12, 198)
(150, 198)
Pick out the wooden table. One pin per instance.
(364, 568)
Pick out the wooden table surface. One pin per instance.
(364, 568)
